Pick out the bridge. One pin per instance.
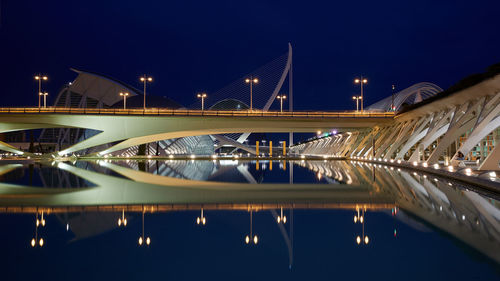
(458, 128)
(131, 127)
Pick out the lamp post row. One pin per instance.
(251, 81)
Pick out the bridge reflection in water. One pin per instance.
(125, 187)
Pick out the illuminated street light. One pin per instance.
(251, 81)
(44, 98)
(201, 219)
(124, 95)
(145, 79)
(281, 98)
(281, 218)
(202, 96)
(361, 81)
(40, 78)
(143, 239)
(357, 99)
(122, 220)
(252, 237)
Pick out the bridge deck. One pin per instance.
(188, 112)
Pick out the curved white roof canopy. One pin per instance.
(411, 95)
(100, 88)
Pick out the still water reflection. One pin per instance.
(243, 219)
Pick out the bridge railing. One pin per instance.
(189, 112)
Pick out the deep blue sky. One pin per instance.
(192, 45)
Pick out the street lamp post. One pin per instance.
(144, 79)
(281, 98)
(40, 78)
(251, 81)
(361, 81)
(393, 108)
(357, 98)
(124, 95)
(202, 96)
(44, 98)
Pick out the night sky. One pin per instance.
(191, 45)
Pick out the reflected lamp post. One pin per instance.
(281, 98)
(201, 219)
(202, 96)
(145, 79)
(143, 239)
(281, 218)
(361, 81)
(35, 241)
(40, 78)
(251, 237)
(122, 220)
(363, 238)
(124, 95)
(251, 81)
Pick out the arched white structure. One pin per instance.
(411, 95)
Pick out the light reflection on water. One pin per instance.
(415, 201)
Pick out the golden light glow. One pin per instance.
(247, 239)
(124, 94)
(366, 240)
(355, 219)
(140, 240)
(358, 240)
(255, 239)
(33, 242)
(255, 80)
(125, 222)
(119, 222)
(41, 242)
(38, 77)
(148, 241)
(198, 220)
(247, 80)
